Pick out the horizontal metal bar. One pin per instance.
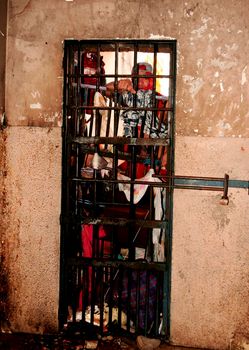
(137, 265)
(239, 184)
(85, 42)
(97, 75)
(117, 221)
(203, 188)
(121, 141)
(120, 108)
(128, 182)
(120, 155)
(188, 181)
(123, 222)
(208, 184)
(103, 88)
(179, 183)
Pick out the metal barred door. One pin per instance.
(118, 149)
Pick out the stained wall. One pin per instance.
(210, 269)
(3, 271)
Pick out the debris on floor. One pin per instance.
(77, 337)
(145, 343)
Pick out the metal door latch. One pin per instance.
(224, 199)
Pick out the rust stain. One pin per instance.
(4, 285)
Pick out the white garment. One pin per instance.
(139, 191)
(100, 101)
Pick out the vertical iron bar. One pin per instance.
(147, 300)
(72, 128)
(132, 213)
(169, 199)
(138, 297)
(63, 297)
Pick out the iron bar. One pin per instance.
(136, 265)
(85, 198)
(120, 141)
(121, 108)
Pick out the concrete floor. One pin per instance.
(24, 341)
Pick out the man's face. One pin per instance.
(145, 83)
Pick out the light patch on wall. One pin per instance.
(223, 126)
(156, 36)
(226, 52)
(35, 105)
(223, 65)
(211, 100)
(22, 117)
(243, 76)
(51, 118)
(170, 13)
(229, 109)
(201, 30)
(216, 74)
(189, 110)
(199, 63)
(205, 19)
(237, 119)
(195, 84)
(211, 37)
(227, 59)
(209, 129)
(221, 87)
(35, 94)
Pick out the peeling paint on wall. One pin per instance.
(35, 94)
(212, 37)
(51, 118)
(35, 105)
(195, 84)
(244, 76)
(202, 29)
(189, 11)
(223, 65)
(223, 126)
(171, 14)
(157, 36)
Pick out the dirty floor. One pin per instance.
(20, 341)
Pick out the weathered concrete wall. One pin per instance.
(3, 271)
(3, 27)
(209, 287)
(32, 238)
(210, 283)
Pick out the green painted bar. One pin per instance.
(211, 183)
